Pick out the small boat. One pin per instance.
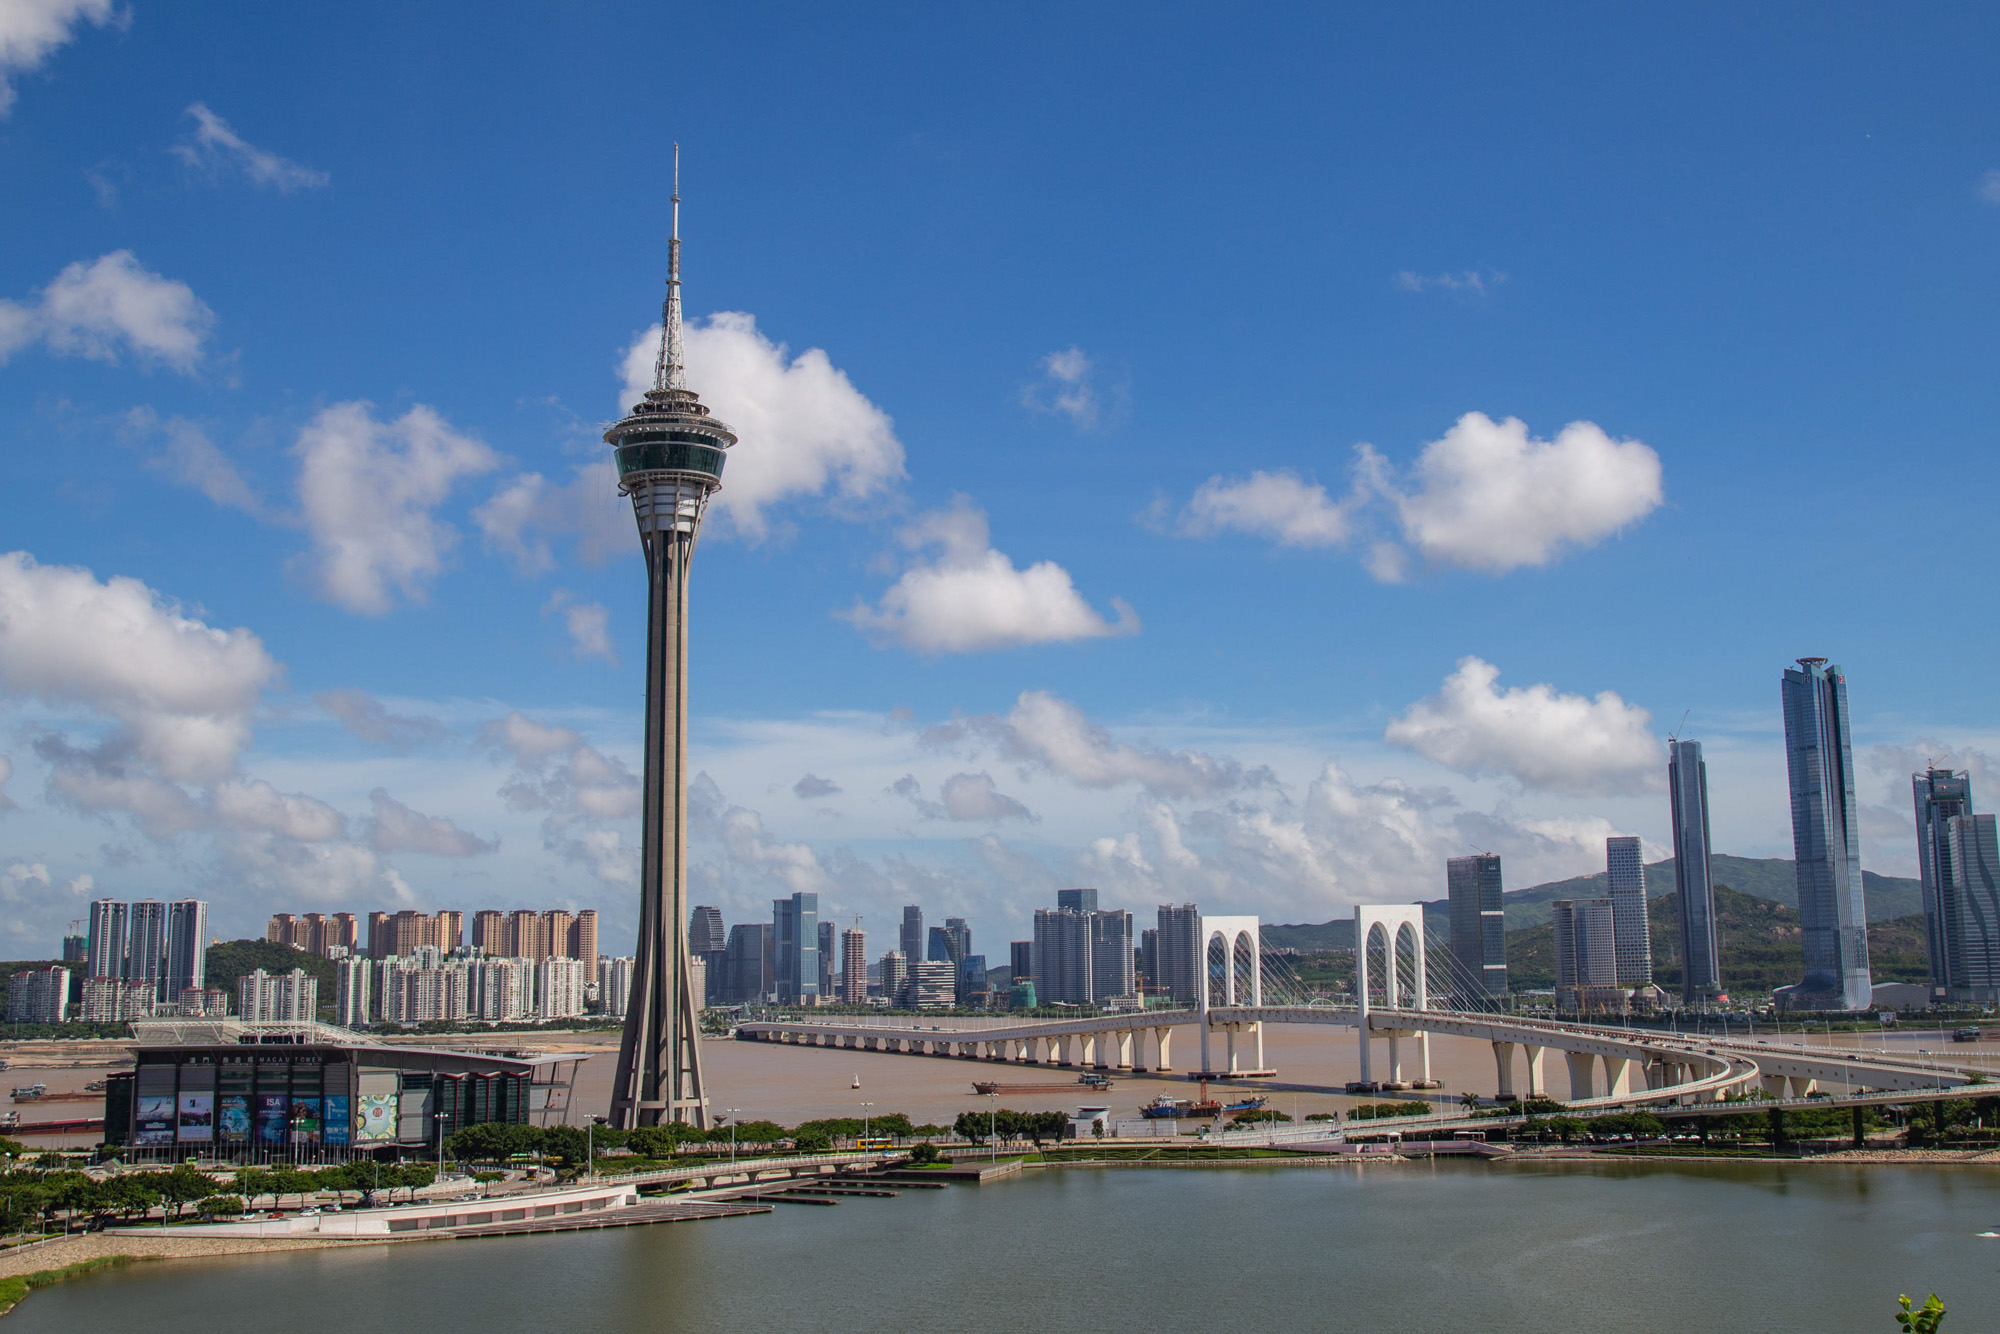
(1246, 1105)
(28, 1094)
(857, 1081)
(1166, 1108)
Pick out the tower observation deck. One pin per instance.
(669, 453)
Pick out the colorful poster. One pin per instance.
(197, 1118)
(378, 1119)
(336, 1128)
(155, 1121)
(271, 1108)
(305, 1120)
(233, 1113)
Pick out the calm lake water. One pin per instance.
(1450, 1247)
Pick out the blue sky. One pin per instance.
(1111, 508)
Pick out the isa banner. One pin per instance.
(271, 1109)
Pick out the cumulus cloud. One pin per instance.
(1469, 282)
(30, 30)
(108, 306)
(183, 692)
(258, 807)
(1488, 496)
(1543, 739)
(213, 145)
(974, 797)
(6, 772)
(1056, 736)
(370, 719)
(962, 596)
(1067, 386)
(530, 511)
(1989, 186)
(588, 623)
(368, 492)
(1279, 505)
(576, 787)
(809, 788)
(806, 430)
(394, 827)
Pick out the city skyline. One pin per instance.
(358, 429)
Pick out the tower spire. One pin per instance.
(670, 368)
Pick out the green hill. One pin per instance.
(1769, 878)
(232, 959)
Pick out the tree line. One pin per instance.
(32, 1199)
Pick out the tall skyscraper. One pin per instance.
(669, 453)
(829, 960)
(1111, 957)
(1021, 959)
(1077, 900)
(147, 928)
(1694, 885)
(1625, 876)
(1941, 796)
(748, 965)
(187, 948)
(853, 967)
(795, 926)
(107, 939)
(705, 932)
(1062, 957)
(894, 973)
(1826, 840)
(1586, 946)
(910, 944)
(1179, 952)
(1478, 925)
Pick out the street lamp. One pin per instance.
(864, 1118)
(439, 1118)
(992, 1139)
(732, 1111)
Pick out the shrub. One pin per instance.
(926, 1152)
(220, 1206)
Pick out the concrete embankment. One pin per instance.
(67, 1251)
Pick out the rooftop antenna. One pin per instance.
(670, 367)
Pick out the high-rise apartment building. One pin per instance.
(1112, 958)
(147, 923)
(75, 946)
(933, 985)
(1021, 959)
(1179, 951)
(1586, 945)
(287, 998)
(559, 988)
(911, 943)
(354, 991)
(705, 931)
(1149, 960)
(106, 951)
(187, 947)
(38, 997)
(1959, 865)
(1625, 883)
(1062, 956)
(829, 960)
(893, 975)
(113, 1000)
(316, 933)
(407, 931)
(489, 933)
(1826, 841)
(1478, 926)
(1694, 883)
(853, 967)
(1941, 796)
(614, 985)
(795, 932)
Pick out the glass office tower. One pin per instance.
(1625, 877)
(1826, 840)
(1478, 926)
(1694, 884)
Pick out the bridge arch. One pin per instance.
(1399, 931)
(1232, 973)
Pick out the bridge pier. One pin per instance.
(1503, 1059)
(1163, 1039)
(1533, 1058)
(1126, 1041)
(1582, 1072)
(1803, 1088)
(1617, 1076)
(1774, 1085)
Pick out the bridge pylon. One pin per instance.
(1395, 925)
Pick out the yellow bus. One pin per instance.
(872, 1143)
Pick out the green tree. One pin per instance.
(971, 1126)
(253, 1182)
(811, 1140)
(220, 1206)
(182, 1186)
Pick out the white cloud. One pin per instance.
(1562, 743)
(1487, 496)
(576, 786)
(974, 797)
(368, 489)
(193, 460)
(370, 719)
(95, 310)
(968, 597)
(214, 144)
(1067, 386)
(809, 788)
(588, 623)
(1472, 282)
(1280, 505)
(31, 29)
(257, 806)
(6, 772)
(1055, 735)
(805, 429)
(396, 828)
(1989, 186)
(527, 512)
(183, 692)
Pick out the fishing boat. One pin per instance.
(1166, 1108)
(28, 1094)
(1246, 1105)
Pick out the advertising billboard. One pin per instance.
(336, 1128)
(233, 1117)
(271, 1109)
(377, 1118)
(154, 1123)
(305, 1120)
(197, 1118)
